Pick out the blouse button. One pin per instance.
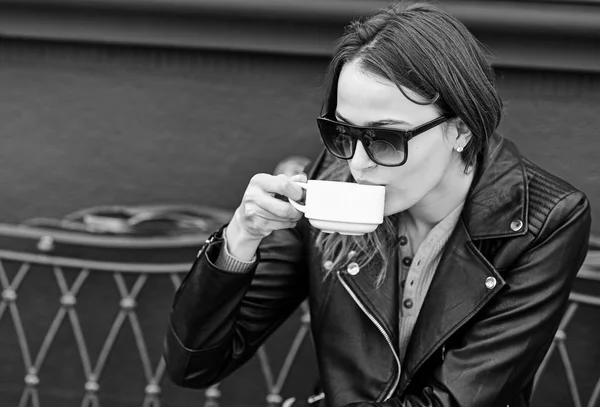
(490, 282)
(403, 240)
(408, 303)
(407, 261)
(516, 225)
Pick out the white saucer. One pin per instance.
(343, 228)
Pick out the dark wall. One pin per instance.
(554, 119)
(84, 126)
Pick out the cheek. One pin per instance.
(414, 180)
(431, 156)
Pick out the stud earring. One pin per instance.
(459, 149)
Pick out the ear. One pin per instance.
(463, 134)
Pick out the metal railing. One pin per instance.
(590, 272)
(26, 260)
(32, 253)
(35, 253)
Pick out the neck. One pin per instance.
(449, 193)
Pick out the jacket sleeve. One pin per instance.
(499, 353)
(219, 318)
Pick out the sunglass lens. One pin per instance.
(337, 139)
(387, 148)
(385, 153)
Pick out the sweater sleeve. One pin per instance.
(228, 262)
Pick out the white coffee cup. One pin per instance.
(343, 207)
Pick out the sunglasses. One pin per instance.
(385, 147)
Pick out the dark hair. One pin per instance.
(422, 48)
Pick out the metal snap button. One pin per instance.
(408, 303)
(353, 269)
(516, 225)
(490, 282)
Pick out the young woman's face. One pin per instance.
(364, 99)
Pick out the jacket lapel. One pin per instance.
(382, 302)
(499, 194)
(458, 290)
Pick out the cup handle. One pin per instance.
(301, 208)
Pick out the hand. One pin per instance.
(262, 210)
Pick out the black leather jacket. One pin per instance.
(487, 321)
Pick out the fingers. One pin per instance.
(262, 211)
(258, 223)
(280, 184)
(266, 206)
(301, 178)
(258, 226)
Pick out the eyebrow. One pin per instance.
(378, 123)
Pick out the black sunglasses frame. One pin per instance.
(359, 133)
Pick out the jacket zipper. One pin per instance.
(380, 328)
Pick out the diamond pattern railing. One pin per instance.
(32, 253)
(33, 362)
(578, 301)
(71, 265)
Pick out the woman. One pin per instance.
(455, 299)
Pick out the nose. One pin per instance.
(361, 160)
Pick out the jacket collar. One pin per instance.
(498, 201)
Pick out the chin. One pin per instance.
(387, 212)
(390, 210)
(393, 205)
